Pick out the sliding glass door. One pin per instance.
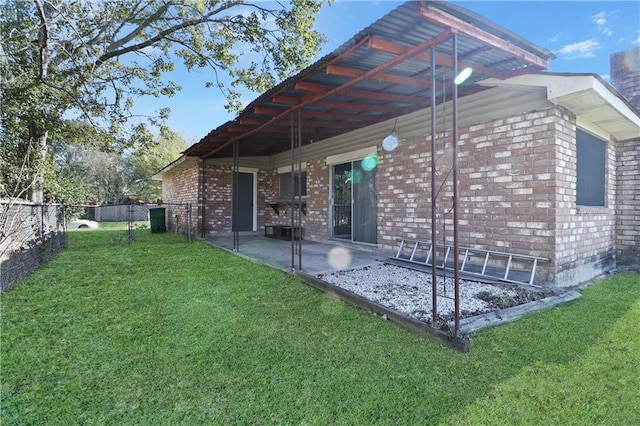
(354, 203)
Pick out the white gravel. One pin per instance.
(409, 291)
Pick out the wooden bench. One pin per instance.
(283, 232)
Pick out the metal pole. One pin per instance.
(203, 200)
(434, 274)
(234, 202)
(189, 221)
(300, 190)
(456, 272)
(293, 256)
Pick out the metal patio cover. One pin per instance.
(383, 72)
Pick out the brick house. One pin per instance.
(546, 164)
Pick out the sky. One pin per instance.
(582, 35)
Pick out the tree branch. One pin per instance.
(163, 34)
(137, 30)
(43, 39)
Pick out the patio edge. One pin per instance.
(411, 324)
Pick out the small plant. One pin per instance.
(499, 301)
(420, 314)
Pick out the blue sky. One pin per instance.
(582, 34)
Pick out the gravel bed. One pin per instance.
(410, 292)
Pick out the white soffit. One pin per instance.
(584, 95)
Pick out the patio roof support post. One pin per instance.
(189, 220)
(293, 195)
(299, 190)
(434, 271)
(234, 196)
(456, 272)
(203, 197)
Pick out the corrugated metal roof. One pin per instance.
(381, 72)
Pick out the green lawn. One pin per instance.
(161, 331)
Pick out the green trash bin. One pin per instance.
(157, 219)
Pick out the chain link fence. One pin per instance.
(179, 219)
(174, 217)
(30, 234)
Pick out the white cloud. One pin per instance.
(582, 49)
(600, 19)
(557, 37)
(637, 39)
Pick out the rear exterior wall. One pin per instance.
(183, 187)
(517, 186)
(628, 206)
(584, 236)
(507, 188)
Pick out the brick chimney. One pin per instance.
(625, 74)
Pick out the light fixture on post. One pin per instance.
(390, 142)
(463, 76)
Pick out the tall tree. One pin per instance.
(147, 160)
(89, 60)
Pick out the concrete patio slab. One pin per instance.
(317, 257)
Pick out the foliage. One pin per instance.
(147, 160)
(85, 174)
(78, 173)
(167, 332)
(84, 63)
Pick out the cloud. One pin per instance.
(557, 37)
(602, 22)
(582, 49)
(637, 40)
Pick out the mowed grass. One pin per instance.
(161, 331)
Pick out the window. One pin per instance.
(285, 185)
(591, 154)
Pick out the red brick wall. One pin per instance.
(628, 205)
(585, 236)
(217, 207)
(624, 76)
(268, 189)
(517, 185)
(318, 191)
(181, 188)
(506, 187)
(267, 193)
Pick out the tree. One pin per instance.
(147, 160)
(89, 60)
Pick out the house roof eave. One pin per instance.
(586, 95)
(182, 163)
